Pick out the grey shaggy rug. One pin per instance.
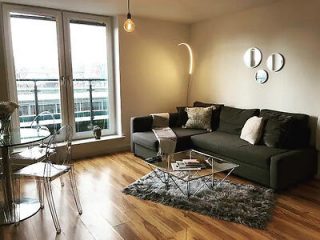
(240, 203)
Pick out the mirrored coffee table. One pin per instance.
(210, 167)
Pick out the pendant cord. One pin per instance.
(128, 6)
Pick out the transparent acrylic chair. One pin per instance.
(35, 152)
(53, 167)
(5, 213)
(45, 119)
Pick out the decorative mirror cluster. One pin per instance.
(275, 62)
(253, 57)
(261, 76)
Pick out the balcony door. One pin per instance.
(89, 70)
(35, 63)
(62, 63)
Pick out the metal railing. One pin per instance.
(36, 90)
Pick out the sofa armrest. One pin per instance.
(291, 167)
(141, 124)
(144, 124)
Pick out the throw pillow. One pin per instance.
(276, 132)
(199, 117)
(298, 135)
(252, 130)
(215, 119)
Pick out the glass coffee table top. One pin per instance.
(182, 178)
(212, 164)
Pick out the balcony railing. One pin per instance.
(36, 94)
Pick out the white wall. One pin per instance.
(291, 27)
(154, 73)
(154, 70)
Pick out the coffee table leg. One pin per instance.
(225, 177)
(212, 174)
(212, 181)
(166, 179)
(172, 179)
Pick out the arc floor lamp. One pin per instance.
(190, 66)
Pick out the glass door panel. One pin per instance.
(36, 64)
(90, 78)
(61, 62)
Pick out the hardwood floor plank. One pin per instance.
(110, 214)
(126, 232)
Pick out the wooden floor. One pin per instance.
(109, 214)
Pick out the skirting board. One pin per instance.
(95, 152)
(318, 172)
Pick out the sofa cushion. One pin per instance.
(298, 133)
(232, 119)
(232, 146)
(146, 139)
(276, 132)
(149, 140)
(174, 120)
(199, 118)
(215, 119)
(183, 116)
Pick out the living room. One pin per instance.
(151, 72)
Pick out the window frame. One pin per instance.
(67, 17)
(62, 19)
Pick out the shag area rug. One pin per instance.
(240, 203)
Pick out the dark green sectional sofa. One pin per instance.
(273, 167)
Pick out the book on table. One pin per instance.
(188, 165)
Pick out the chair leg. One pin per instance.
(40, 193)
(74, 189)
(61, 182)
(48, 190)
(6, 210)
(17, 197)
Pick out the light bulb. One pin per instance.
(129, 25)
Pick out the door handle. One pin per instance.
(62, 80)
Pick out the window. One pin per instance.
(61, 62)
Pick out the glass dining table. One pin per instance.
(27, 207)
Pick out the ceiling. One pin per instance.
(184, 11)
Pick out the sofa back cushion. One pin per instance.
(174, 120)
(215, 119)
(232, 119)
(276, 131)
(293, 128)
(182, 116)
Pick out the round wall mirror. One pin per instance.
(252, 57)
(261, 76)
(275, 62)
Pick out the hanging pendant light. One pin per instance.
(129, 25)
